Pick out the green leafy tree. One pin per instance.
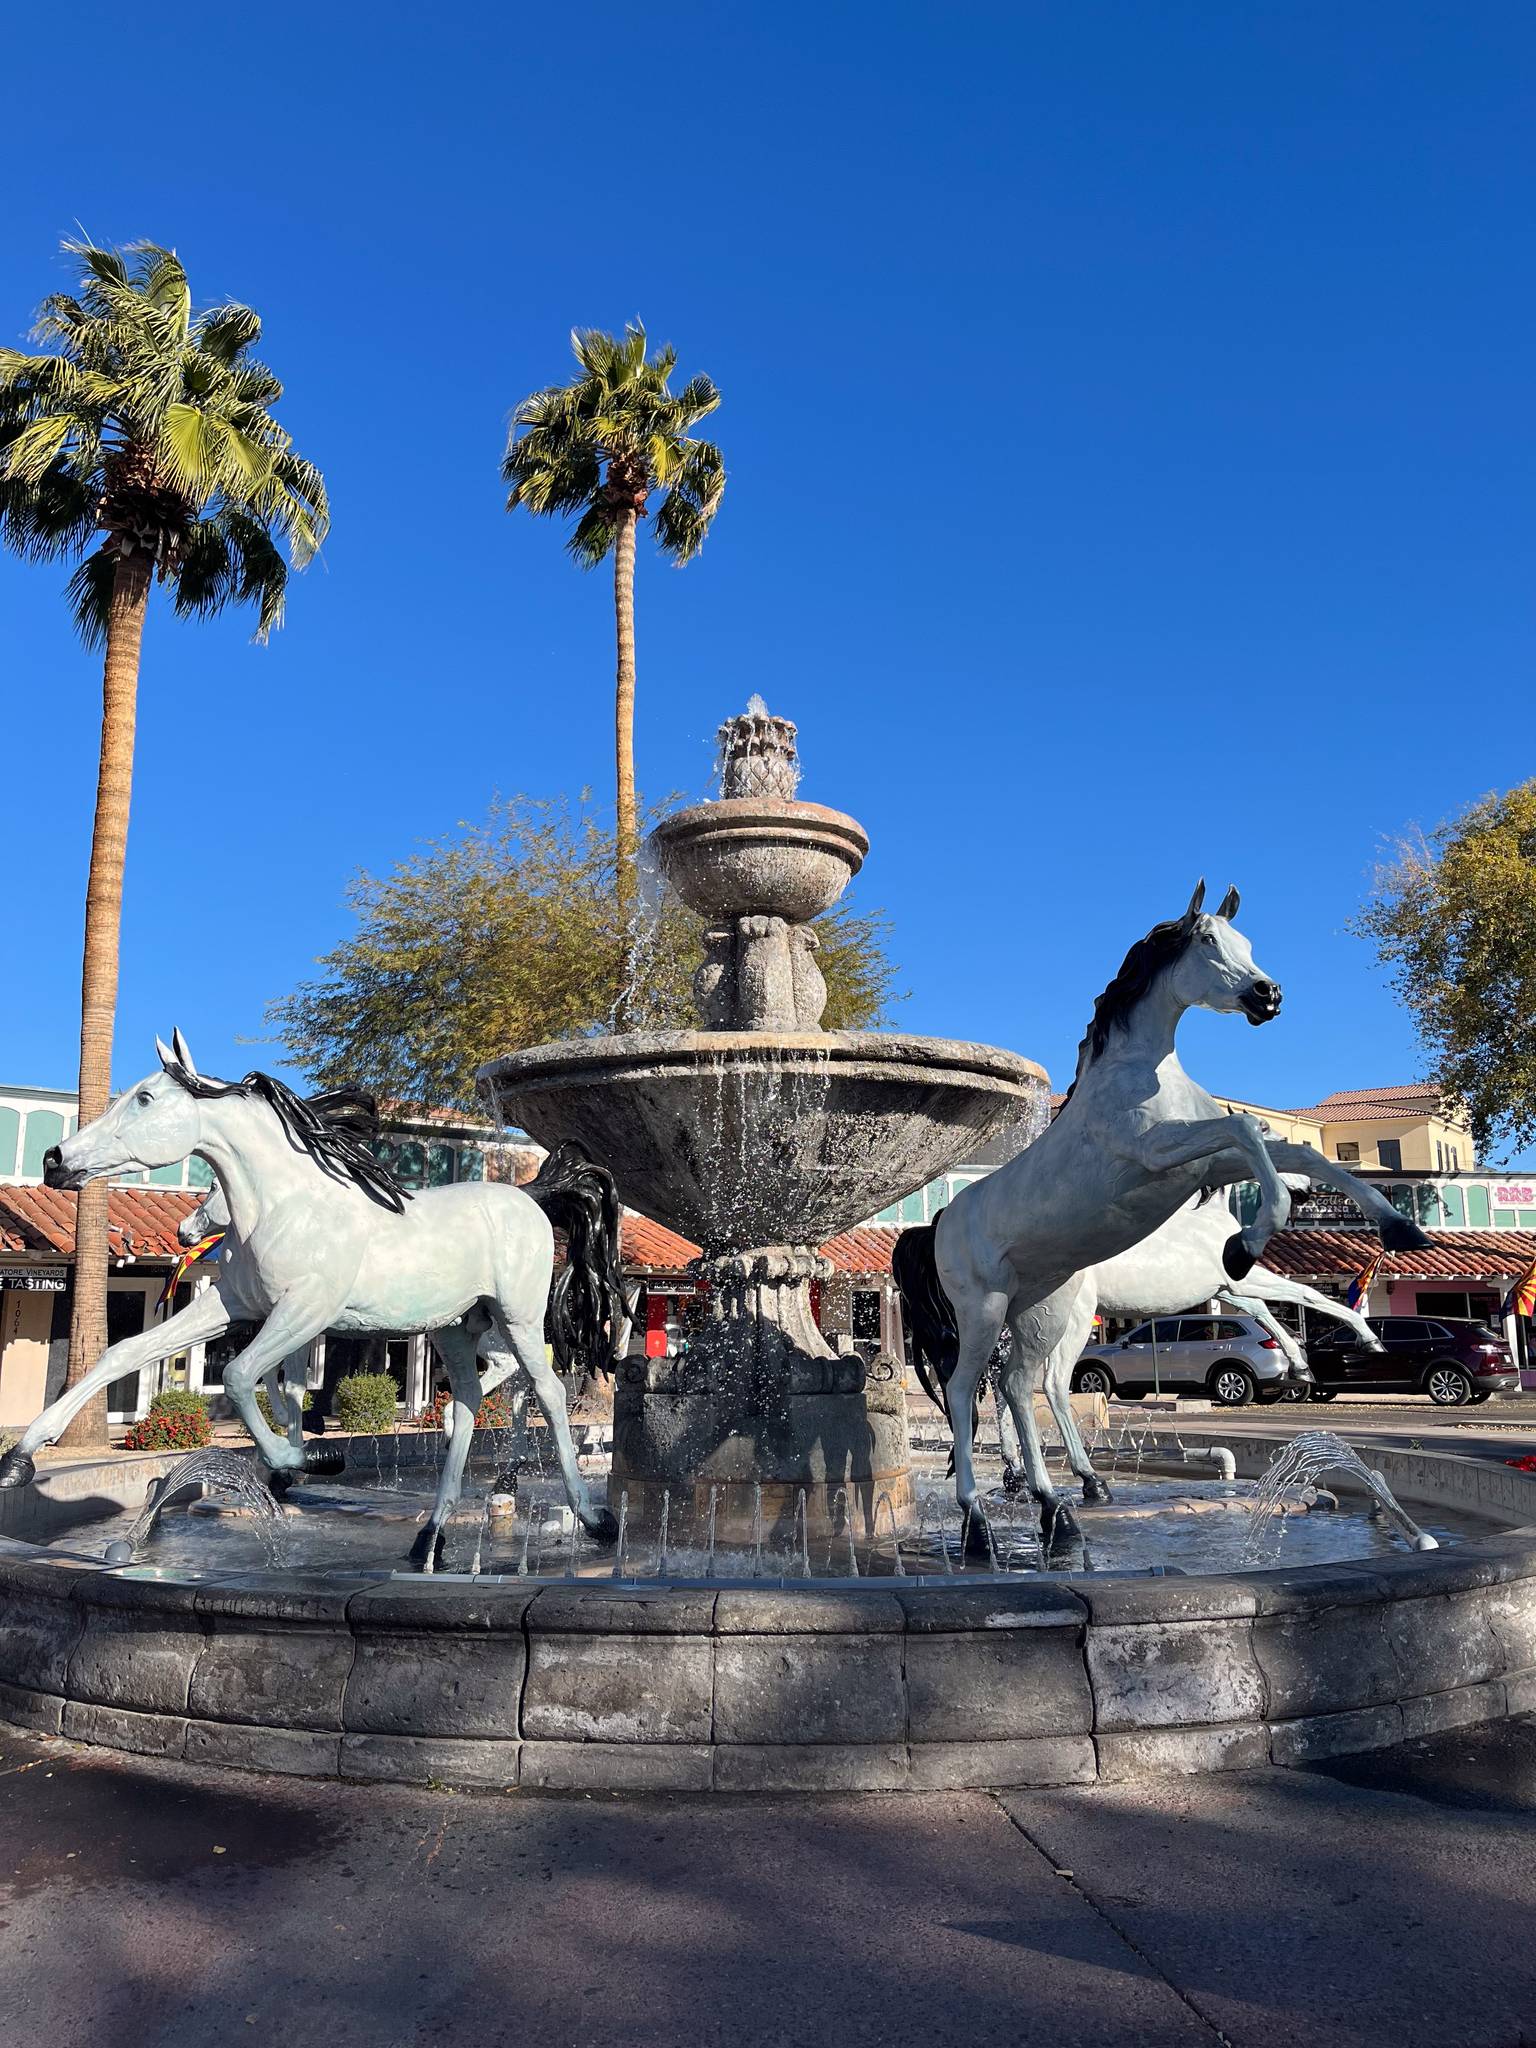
(140, 443)
(598, 449)
(511, 935)
(1453, 918)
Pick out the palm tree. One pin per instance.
(600, 446)
(146, 430)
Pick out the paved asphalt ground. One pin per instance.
(1390, 1900)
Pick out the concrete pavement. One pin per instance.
(1388, 1901)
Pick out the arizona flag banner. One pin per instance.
(1521, 1299)
(188, 1258)
(1358, 1290)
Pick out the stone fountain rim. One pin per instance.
(163, 1665)
(790, 817)
(882, 1051)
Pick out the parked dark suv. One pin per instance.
(1451, 1362)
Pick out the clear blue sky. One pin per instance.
(1128, 418)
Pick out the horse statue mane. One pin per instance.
(333, 1129)
(1139, 969)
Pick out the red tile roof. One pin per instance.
(862, 1251)
(1450, 1255)
(1374, 1105)
(140, 1220)
(654, 1248)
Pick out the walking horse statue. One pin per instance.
(1136, 1139)
(323, 1237)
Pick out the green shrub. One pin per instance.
(365, 1401)
(265, 1406)
(494, 1412)
(177, 1421)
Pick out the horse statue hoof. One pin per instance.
(324, 1457)
(978, 1541)
(16, 1468)
(429, 1543)
(1059, 1532)
(278, 1484)
(1096, 1491)
(604, 1526)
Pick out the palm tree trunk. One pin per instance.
(624, 743)
(98, 978)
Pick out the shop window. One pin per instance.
(1503, 1219)
(439, 1165)
(199, 1173)
(10, 1140)
(913, 1209)
(42, 1131)
(166, 1176)
(1389, 1153)
(1527, 1218)
(471, 1163)
(1454, 1206)
(866, 1315)
(1477, 1208)
(1427, 1200)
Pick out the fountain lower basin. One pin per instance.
(917, 1682)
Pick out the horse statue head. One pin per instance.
(1207, 964)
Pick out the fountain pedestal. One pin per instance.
(760, 1137)
(760, 1413)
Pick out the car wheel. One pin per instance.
(1324, 1394)
(1448, 1386)
(1233, 1386)
(1297, 1391)
(1093, 1379)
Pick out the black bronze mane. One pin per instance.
(333, 1129)
(1146, 960)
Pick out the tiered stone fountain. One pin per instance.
(760, 1136)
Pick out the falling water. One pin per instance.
(885, 1499)
(1297, 1466)
(227, 1472)
(757, 1530)
(709, 1562)
(666, 1518)
(623, 1542)
(805, 1534)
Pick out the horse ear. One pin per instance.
(167, 1057)
(1228, 906)
(1197, 899)
(184, 1053)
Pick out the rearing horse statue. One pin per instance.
(327, 1239)
(1134, 1141)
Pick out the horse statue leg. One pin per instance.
(521, 1342)
(1058, 1391)
(980, 1318)
(1037, 1329)
(457, 1345)
(202, 1318)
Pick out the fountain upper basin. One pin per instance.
(760, 856)
(737, 1138)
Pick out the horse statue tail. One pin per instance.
(586, 1303)
(926, 1308)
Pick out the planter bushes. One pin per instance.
(365, 1402)
(177, 1421)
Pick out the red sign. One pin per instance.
(1522, 1196)
(655, 1343)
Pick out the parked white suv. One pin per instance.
(1231, 1359)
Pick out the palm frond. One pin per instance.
(90, 596)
